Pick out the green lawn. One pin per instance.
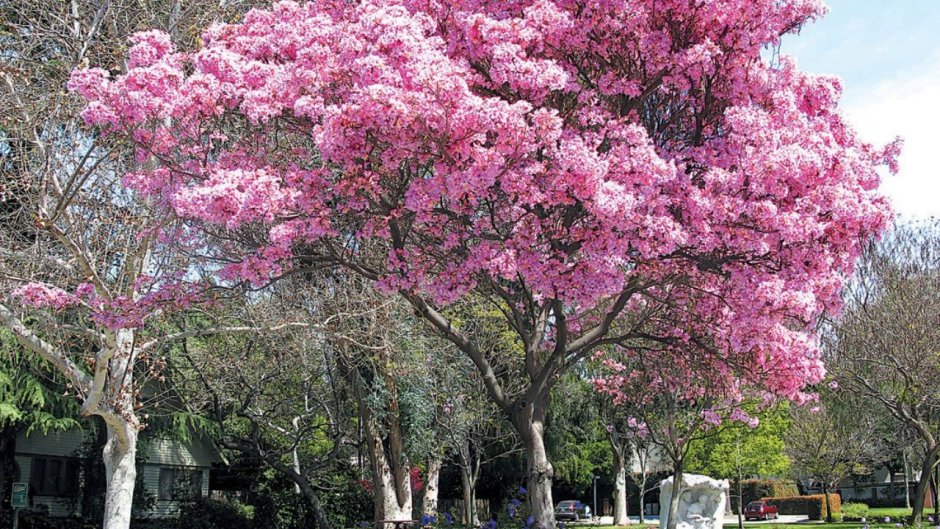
(795, 525)
(894, 512)
(834, 525)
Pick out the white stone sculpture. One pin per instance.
(701, 502)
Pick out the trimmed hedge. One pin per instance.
(755, 489)
(854, 512)
(813, 506)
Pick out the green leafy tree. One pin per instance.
(31, 399)
(737, 451)
(576, 437)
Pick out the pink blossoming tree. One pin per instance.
(570, 162)
(676, 392)
(85, 277)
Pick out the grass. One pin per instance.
(793, 525)
(894, 512)
(807, 525)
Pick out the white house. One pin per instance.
(172, 471)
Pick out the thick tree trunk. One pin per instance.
(392, 499)
(529, 421)
(920, 494)
(387, 505)
(391, 477)
(620, 493)
(618, 448)
(431, 488)
(120, 474)
(674, 497)
(123, 428)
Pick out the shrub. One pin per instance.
(755, 489)
(213, 514)
(854, 512)
(813, 506)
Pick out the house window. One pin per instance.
(179, 484)
(53, 476)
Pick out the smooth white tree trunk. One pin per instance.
(529, 421)
(392, 508)
(121, 476)
(432, 488)
(677, 489)
(392, 494)
(620, 495)
(295, 457)
(907, 480)
(643, 501)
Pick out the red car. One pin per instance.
(760, 510)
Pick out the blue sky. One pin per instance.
(888, 55)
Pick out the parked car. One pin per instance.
(572, 510)
(761, 510)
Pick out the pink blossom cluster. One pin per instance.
(559, 149)
(41, 295)
(115, 312)
(132, 312)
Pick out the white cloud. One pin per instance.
(906, 106)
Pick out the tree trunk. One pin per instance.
(391, 477)
(618, 448)
(301, 482)
(470, 517)
(828, 506)
(892, 490)
(936, 494)
(123, 428)
(431, 489)
(120, 474)
(388, 505)
(674, 497)
(313, 500)
(920, 494)
(740, 502)
(643, 497)
(529, 421)
(907, 479)
(620, 493)
(295, 456)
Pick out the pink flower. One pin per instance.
(563, 151)
(41, 295)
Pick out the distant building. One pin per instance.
(880, 488)
(172, 471)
